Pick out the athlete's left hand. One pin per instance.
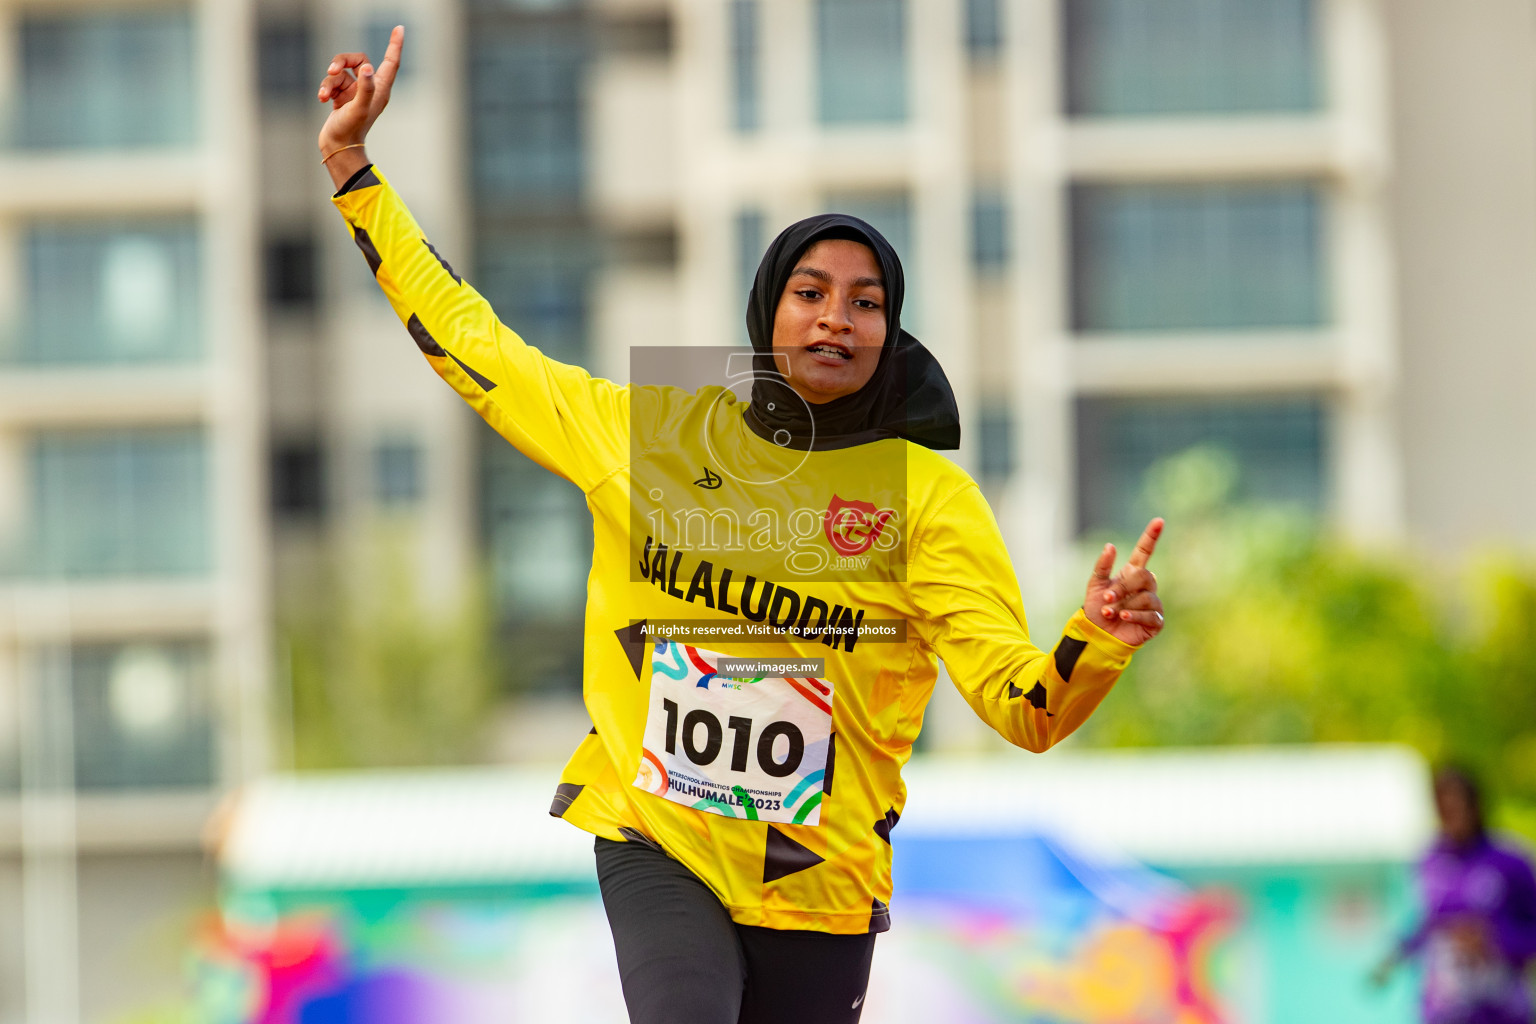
(1126, 605)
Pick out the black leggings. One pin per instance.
(682, 960)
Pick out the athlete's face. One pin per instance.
(1458, 815)
(830, 321)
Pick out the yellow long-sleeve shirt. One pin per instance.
(778, 790)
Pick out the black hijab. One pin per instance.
(908, 396)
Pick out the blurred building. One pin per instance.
(133, 536)
(1301, 232)
(1130, 230)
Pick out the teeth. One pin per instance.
(832, 351)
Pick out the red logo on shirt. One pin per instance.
(852, 526)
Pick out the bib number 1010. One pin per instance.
(699, 722)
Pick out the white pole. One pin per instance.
(49, 872)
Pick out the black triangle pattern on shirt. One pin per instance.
(565, 795)
(632, 639)
(1067, 653)
(1037, 697)
(362, 179)
(879, 917)
(783, 856)
(456, 278)
(826, 779)
(486, 384)
(429, 345)
(884, 825)
(370, 251)
(423, 339)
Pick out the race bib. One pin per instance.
(744, 748)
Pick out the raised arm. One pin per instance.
(556, 414)
(971, 612)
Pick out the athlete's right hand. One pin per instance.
(1127, 606)
(357, 102)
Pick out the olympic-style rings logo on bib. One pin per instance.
(743, 748)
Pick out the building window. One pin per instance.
(989, 231)
(1128, 58)
(539, 542)
(526, 113)
(995, 429)
(10, 731)
(539, 536)
(130, 501)
(143, 716)
(397, 472)
(293, 274)
(639, 35)
(642, 247)
(861, 61)
(285, 63)
(123, 292)
(1209, 256)
(298, 479)
(538, 284)
(983, 28)
(891, 214)
(376, 33)
(745, 68)
(1251, 450)
(751, 242)
(109, 78)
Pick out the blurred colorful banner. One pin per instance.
(411, 959)
(987, 930)
(1024, 928)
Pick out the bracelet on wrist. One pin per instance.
(339, 149)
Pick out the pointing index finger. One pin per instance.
(390, 65)
(1147, 544)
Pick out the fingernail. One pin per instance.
(1109, 595)
(334, 67)
(1125, 615)
(367, 71)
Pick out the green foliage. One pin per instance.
(379, 675)
(1279, 634)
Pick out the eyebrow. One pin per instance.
(823, 276)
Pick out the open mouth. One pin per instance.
(831, 350)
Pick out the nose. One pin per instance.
(835, 318)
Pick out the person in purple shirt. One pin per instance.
(1478, 933)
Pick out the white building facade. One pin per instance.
(134, 649)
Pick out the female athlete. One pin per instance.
(808, 530)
